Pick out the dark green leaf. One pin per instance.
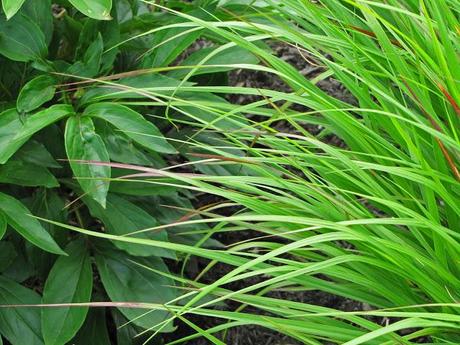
(72, 28)
(10, 124)
(10, 70)
(70, 281)
(7, 254)
(3, 224)
(95, 9)
(82, 143)
(19, 325)
(111, 35)
(14, 133)
(132, 124)
(126, 333)
(52, 138)
(36, 92)
(94, 330)
(21, 39)
(124, 280)
(140, 188)
(124, 10)
(87, 34)
(26, 174)
(40, 12)
(122, 217)
(21, 268)
(47, 204)
(35, 152)
(121, 148)
(91, 63)
(78, 69)
(93, 55)
(10, 7)
(18, 216)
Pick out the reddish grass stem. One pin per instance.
(430, 118)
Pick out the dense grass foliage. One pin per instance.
(365, 206)
(374, 220)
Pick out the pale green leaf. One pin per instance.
(99, 9)
(10, 7)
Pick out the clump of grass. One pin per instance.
(375, 222)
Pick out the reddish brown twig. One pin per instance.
(450, 99)
(371, 34)
(430, 118)
(221, 158)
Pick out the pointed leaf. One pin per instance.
(121, 148)
(14, 133)
(132, 124)
(95, 9)
(123, 280)
(18, 216)
(82, 143)
(41, 13)
(126, 332)
(19, 325)
(93, 55)
(26, 174)
(20, 269)
(7, 255)
(121, 217)
(36, 153)
(111, 35)
(91, 63)
(94, 330)
(10, 7)
(3, 224)
(47, 204)
(36, 92)
(21, 39)
(43, 118)
(10, 124)
(69, 281)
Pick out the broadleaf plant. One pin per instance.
(74, 82)
(95, 9)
